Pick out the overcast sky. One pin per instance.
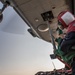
(20, 53)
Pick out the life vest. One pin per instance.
(65, 17)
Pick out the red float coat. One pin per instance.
(71, 27)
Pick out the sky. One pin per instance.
(21, 53)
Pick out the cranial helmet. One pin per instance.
(65, 18)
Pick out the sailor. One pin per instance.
(66, 20)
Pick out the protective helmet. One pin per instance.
(65, 18)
